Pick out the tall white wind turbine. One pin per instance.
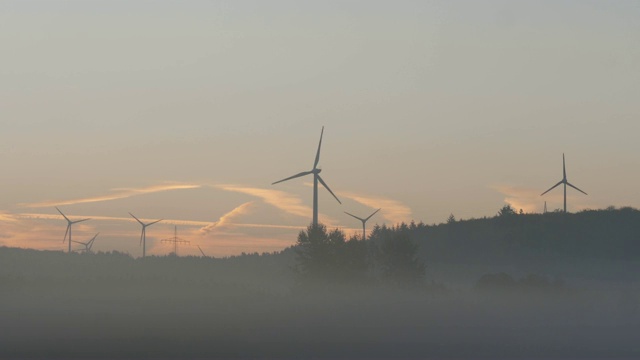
(69, 223)
(143, 235)
(316, 178)
(565, 182)
(364, 221)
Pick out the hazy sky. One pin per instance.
(189, 110)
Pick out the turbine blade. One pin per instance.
(201, 252)
(294, 176)
(564, 169)
(77, 221)
(65, 234)
(142, 236)
(90, 244)
(151, 223)
(372, 214)
(553, 187)
(315, 163)
(136, 218)
(63, 215)
(568, 183)
(354, 216)
(327, 187)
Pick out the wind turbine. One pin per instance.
(143, 235)
(69, 223)
(565, 182)
(316, 177)
(364, 221)
(88, 244)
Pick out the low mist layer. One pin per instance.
(280, 305)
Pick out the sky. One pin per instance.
(188, 111)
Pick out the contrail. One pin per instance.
(36, 216)
(284, 201)
(119, 193)
(226, 218)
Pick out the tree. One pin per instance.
(398, 258)
(451, 219)
(327, 257)
(507, 210)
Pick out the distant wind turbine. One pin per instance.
(565, 182)
(69, 223)
(364, 221)
(316, 177)
(143, 235)
(87, 245)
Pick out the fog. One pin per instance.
(111, 305)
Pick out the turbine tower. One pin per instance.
(87, 245)
(565, 182)
(69, 223)
(364, 221)
(316, 178)
(143, 235)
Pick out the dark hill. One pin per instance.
(598, 245)
(593, 244)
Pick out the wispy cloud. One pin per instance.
(286, 202)
(119, 193)
(195, 223)
(35, 216)
(527, 199)
(225, 219)
(392, 210)
(6, 217)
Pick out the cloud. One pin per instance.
(392, 210)
(284, 201)
(527, 199)
(6, 217)
(225, 219)
(119, 193)
(530, 201)
(195, 223)
(33, 234)
(45, 232)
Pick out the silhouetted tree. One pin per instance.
(398, 258)
(326, 256)
(507, 210)
(451, 219)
